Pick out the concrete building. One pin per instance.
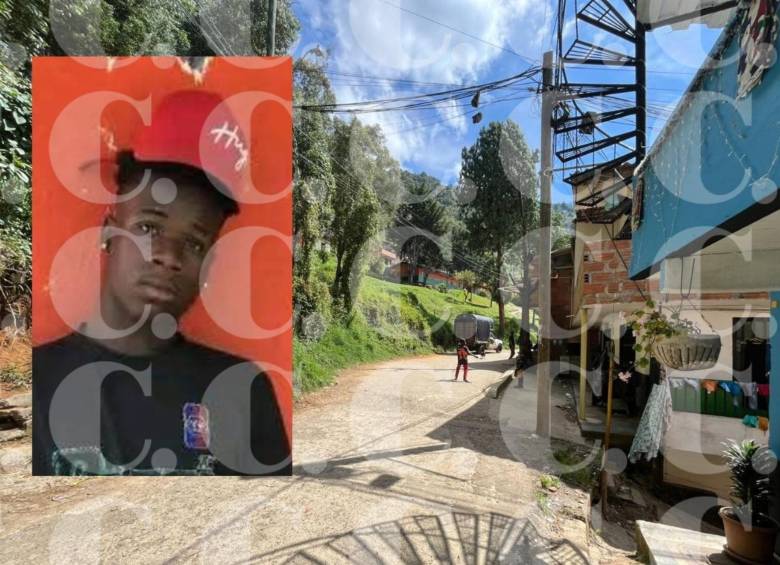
(706, 221)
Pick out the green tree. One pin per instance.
(356, 208)
(167, 27)
(562, 225)
(23, 33)
(423, 224)
(314, 179)
(466, 279)
(238, 27)
(499, 171)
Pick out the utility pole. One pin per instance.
(271, 50)
(641, 91)
(545, 248)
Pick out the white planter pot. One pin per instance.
(688, 352)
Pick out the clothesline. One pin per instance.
(750, 390)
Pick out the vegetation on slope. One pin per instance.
(389, 320)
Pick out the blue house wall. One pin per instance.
(715, 167)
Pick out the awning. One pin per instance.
(681, 13)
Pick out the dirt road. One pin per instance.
(395, 464)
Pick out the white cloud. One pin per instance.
(380, 34)
(377, 38)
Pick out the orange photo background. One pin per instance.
(59, 214)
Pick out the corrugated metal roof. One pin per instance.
(653, 12)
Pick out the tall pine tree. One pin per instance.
(500, 169)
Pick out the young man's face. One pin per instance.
(181, 233)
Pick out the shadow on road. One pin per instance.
(505, 428)
(475, 538)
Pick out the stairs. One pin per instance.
(595, 143)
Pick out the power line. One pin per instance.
(459, 115)
(465, 33)
(390, 79)
(420, 100)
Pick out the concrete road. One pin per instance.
(394, 464)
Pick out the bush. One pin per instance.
(442, 288)
(15, 359)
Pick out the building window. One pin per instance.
(587, 277)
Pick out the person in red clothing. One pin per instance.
(463, 360)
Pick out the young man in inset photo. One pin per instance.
(127, 393)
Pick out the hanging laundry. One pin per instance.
(594, 380)
(709, 385)
(763, 423)
(749, 390)
(654, 424)
(750, 421)
(763, 390)
(733, 389)
(676, 382)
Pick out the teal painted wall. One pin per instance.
(719, 159)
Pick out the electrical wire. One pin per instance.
(460, 31)
(420, 100)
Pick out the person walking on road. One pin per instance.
(512, 344)
(463, 360)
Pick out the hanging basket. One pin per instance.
(688, 352)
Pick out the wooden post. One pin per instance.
(607, 434)
(583, 360)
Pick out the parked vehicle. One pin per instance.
(495, 344)
(476, 331)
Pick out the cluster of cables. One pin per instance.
(451, 98)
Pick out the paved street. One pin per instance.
(395, 464)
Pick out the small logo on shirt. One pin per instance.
(197, 434)
(233, 139)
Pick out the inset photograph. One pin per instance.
(162, 272)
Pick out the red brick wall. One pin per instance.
(561, 297)
(606, 277)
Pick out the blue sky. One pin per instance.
(378, 49)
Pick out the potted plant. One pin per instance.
(676, 342)
(750, 532)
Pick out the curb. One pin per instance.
(506, 378)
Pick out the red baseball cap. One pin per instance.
(196, 128)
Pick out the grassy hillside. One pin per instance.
(390, 320)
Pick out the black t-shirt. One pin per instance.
(165, 414)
